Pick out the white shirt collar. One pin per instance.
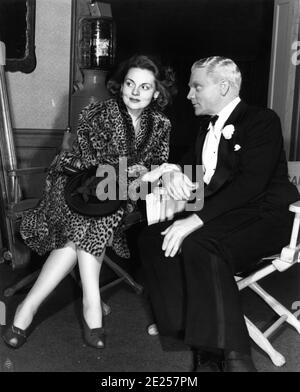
(225, 113)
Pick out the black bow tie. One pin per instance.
(213, 119)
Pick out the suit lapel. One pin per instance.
(200, 141)
(225, 153)
(223, 169)
(238, 111)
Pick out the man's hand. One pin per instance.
(177, 232)
(156, 173)
(178, 185)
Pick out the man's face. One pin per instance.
(204, 93)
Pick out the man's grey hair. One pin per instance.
(219, 68)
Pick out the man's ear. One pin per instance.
(224, 87)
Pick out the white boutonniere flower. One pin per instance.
(237, 147)
(228, 131)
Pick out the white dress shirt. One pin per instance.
(212, 140)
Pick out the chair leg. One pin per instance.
(123, 274)
(21, 284)
(258, 337)
(276, 306)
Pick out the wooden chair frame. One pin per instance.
(289, 256)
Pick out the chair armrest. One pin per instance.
(290, 253)
(68, 140)
(295, 207)
(27, 171)
(16, 209)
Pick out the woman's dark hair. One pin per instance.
(164, 78)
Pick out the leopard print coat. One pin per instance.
(105, 133)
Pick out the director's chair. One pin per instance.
(288, 257)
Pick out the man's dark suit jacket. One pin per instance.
(245, 216)
(256, 173)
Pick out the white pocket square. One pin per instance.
(237, 147)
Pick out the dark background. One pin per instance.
(13, 27)
(180, 32)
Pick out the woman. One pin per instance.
(130, 125)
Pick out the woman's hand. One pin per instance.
(136, 170)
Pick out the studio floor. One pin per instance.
(55, 343)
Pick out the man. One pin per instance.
(190, 262)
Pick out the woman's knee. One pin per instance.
(70, 245)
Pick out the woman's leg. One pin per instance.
(89, 269)
(59, 263)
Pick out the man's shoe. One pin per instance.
(238, 362)
(206, 362)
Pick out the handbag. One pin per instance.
(82, 197)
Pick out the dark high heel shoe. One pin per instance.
(14, 337)
(93, 337)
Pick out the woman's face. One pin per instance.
(138, 90)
